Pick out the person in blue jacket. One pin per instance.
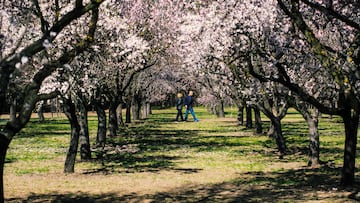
(189, 102)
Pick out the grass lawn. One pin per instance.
(159, 160)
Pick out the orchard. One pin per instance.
(105, 56)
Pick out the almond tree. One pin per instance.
(313, 49)
(332, 37)
(40, 25)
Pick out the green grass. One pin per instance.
(159, 135)
(229, 154)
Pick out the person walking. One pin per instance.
(179, 106)
(189, 102)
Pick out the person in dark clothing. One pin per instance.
(179, 106)
(189, 102)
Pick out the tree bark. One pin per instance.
(145, 110)
(270, 133)
(119, 114)
(275, 113)
(258, 123)
(249, 123)
(70, 112)
(240, 115)
(113, 123)
(13, 106)
(351, 123)
(314, 145)
(4, 145)
(128, 112)
(101, 132)
(150, 109)
(220, 110)
(84, 139)
(213, 110)
(40, 111)
(278, 135)
(311, 116)
(136, 108)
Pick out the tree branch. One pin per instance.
(51, 95)
(31, 90)
(44, 23)
(330, 11)
(7, 65)
(294, 88)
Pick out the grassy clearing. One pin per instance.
(158, 160)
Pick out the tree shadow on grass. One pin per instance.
(147, 149)
(144, 150)
(300, 185)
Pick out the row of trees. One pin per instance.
(262, 54)
(296, 53)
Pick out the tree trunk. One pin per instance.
(258, 124)
(13, 110)
(249, 123)
(220, 110)
(143, 114)
(314, 145)
(145, 109)
(271, 132)
(113, 123)
(279, 138)
(311, 115)
(128, 112)
(135, 108)
(351, 123)
(240, 115)
(148, 108)
(70, 112)
(84, 139)
(40, 111)
(213, 110)
(101, 132)
(119, 115)
(4, 145)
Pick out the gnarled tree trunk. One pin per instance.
(4, 145)
(314, 145)
(70, 112)
(351, 123)
(84, 139)
(311, 115)
(278, 136)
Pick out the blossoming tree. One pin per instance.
(29, 30)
